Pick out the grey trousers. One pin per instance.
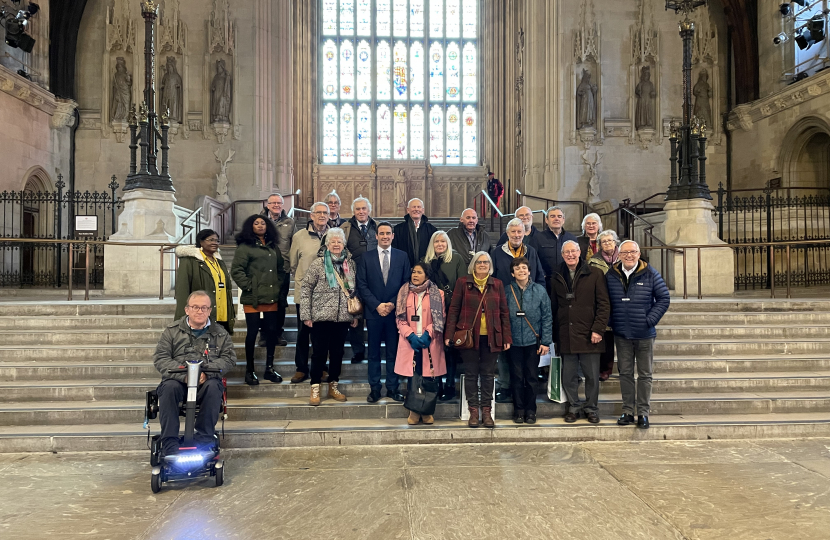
(570, 381)
(641, 353)
(503, 382)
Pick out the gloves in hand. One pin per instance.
(414, 341)
(425, 340)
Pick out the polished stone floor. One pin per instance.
(759, 490)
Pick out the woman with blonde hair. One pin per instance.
(609, 254)
(445, 267)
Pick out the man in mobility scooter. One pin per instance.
(191, 341)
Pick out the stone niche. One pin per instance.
(389, 185)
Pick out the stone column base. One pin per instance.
(134, 270)
(689, 222)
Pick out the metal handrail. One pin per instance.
(230, 210)
(198, 212)
(679, 249)
(585, 206)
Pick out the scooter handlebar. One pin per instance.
(204, 370)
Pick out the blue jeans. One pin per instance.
(383, 329)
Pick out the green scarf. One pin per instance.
(348, 280)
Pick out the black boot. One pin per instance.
(448, 391)
(250, 377)
(270, 374)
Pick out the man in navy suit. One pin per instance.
(380, 274)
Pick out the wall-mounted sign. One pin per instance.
(86, 225)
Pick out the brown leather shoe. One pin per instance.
(487, 418)
(473, 422)
(299, 377)
(335, 393)
(413, 419)
(428, 419)
(315, 395)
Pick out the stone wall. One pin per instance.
(786, 133)
(251, 37)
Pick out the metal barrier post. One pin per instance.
(685, 291)
(70, 266)
(699, 280)
(86, 271)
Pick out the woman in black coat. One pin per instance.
(257, 270)
(201, 268)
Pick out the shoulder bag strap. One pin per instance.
(478, 309)
(512, 290)
(340, 282)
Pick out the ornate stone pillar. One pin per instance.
(304, 98)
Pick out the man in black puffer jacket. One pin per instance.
(639, 299)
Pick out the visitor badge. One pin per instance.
(221, 285)
(415, 318)
(626, 299)
(520, 314)
(569, 296)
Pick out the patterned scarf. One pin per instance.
(614, 257)
(518, 252)
(328, 260)
(435, 303)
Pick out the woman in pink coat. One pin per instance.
(420, 318)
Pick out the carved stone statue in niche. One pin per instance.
(646, 94)
(172, 91)
(703, 93)
(586, 102)
(220, 94)
(222, 177)
(122, 84)
(400, 191)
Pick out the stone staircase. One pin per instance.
(74, 376)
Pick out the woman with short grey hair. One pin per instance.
(327, 286)
(609, 254)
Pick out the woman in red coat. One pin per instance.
(491, 330)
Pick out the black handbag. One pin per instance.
(422, 392)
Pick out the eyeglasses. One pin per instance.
(571, 252)
(211, 240)
(624, 253)
(609, 241)
(483, 262)
(321, 213)
(203, 309)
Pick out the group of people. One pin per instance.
(438, 299)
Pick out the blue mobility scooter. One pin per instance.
(191, 461)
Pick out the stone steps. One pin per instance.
(665, 367)
(265, 408)
(305, 433)
(132, 389)
(74, 377)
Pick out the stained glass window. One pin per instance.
(330, 134)
(329, 70)
(384, 129)
(401, 151)
(453, 73)
(453, 18)
(416, 18)
(416, 133)
(347, 122)
(416, 72)
(364, 134)
(364, 18)
(436, 18)
(436, 134)
(470, 66)
(399, 80)
(364, 71)
(346, 17)
(453, 136)
(470, 129)
(346, 70)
